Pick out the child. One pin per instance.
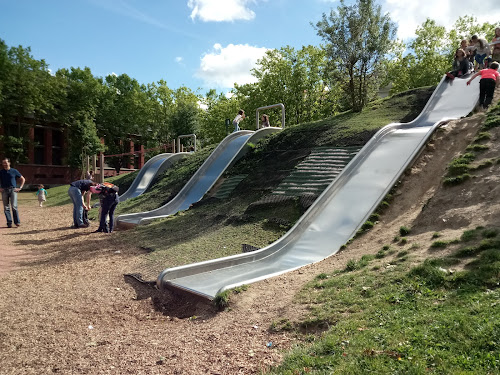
(265, 121)
(460, 65)
(495, 45)
(239, 117)
(108, 201)
(489, 79)
(482, 51)
(42, 195)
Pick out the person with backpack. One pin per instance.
(108, 197)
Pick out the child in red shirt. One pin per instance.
(489, 79)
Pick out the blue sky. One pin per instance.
(200, 44)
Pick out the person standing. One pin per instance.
(9, 190)
(239, 117)
(41, 194)
(77, 191)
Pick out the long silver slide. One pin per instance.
(232, 148)
(340, 210)
(153, 167)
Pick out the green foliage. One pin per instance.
(469, 235)
(357, 36)
(449, 181)
(431, 52)
(476, 147)
(439, 244)
(436, 235)
(404, 230)
(404, 321)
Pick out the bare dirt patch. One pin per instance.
(69, 309)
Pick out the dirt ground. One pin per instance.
(66, 307)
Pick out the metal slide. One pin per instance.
(340, 210)
(153, 167)
(232, 148)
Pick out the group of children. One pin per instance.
(481, 57)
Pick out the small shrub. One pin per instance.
(351, 265)
(396, 239)
(374, 217)
(415, 245)
(403, 241)
(429, 274)
(386, 247)
(404, 231)
(482, 136)
(457, 169)
(322, 276)
(402, 254)
(367, 225)
(490, 233)
(436, 235)
(439, 244)
(477, 148)
(468, 235)
(380, 254)
(450, 181)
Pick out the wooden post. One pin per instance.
(101, 164)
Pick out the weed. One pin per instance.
(436, 235)
(322, 276)
(351, 265)
(402, 254)
(367, 225)
(477, 148)
(468, 235)
(415, 245)
(380, 254)
(490, 233)
(404, 230)
(449, 181)
(396, 239)
(482, 136)
(221, 300)
(282, 324)
(439, 244)
(403, 241)
(386, 247)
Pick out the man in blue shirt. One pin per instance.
(9, 190)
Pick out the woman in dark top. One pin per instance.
(77, 191)
(460, 65)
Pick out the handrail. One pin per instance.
(185, 136)
(272, 106)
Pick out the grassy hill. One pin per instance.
(419, 292)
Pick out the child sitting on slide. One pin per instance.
(460, 65)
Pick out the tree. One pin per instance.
(357, 37)
(212, 120)
(83, 95)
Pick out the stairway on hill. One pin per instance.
(316, 172)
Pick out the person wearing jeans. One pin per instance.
(9, 190)
(76, 192)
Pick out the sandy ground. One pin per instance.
(66, 307)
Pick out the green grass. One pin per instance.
(419, 319)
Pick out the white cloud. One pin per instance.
(225, 66)
(179, 59)
(221, 10)
(410, 14)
